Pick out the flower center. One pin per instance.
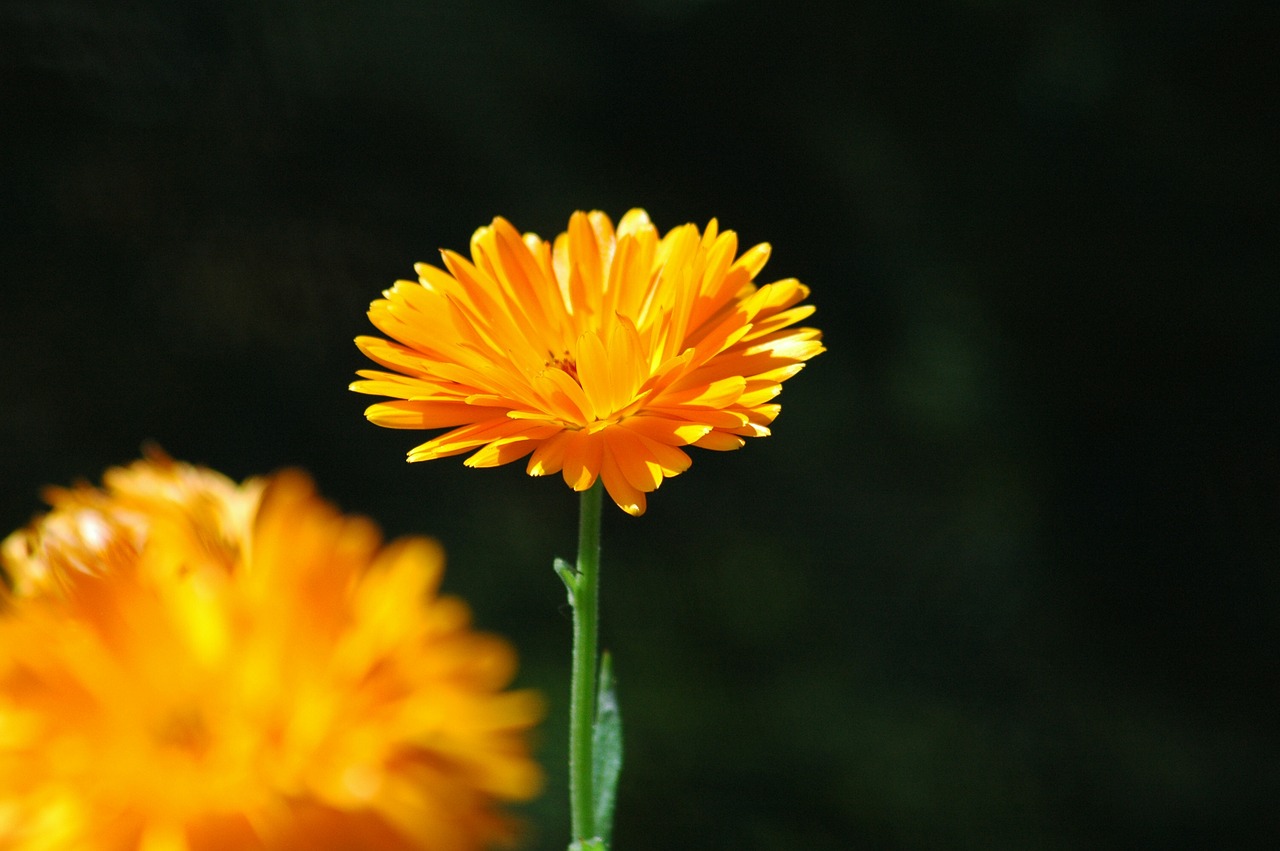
(564, 362)
(184, 730)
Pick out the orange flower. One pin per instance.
(599, 355)
(187, 664)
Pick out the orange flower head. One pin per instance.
(191, 664)
(601, 354)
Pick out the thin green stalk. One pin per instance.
(582, 698)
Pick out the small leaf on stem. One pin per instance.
(569, 576)
(607, 750)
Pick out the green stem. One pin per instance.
(582, 699)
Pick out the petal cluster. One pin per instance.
(602, 354)
(191, 664)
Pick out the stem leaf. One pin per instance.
(569, 576)
(607, 750)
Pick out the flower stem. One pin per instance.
(582, 698)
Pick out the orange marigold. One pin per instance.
(600, 354)
(188, 664)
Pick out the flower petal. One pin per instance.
(469, 437)
(593, 375)
(670, 459)
(548, 457)
(507, 449)
(582, 458)
(628, 497)
(633, 459)
(428, 415)
(668, 430)
(720, 442)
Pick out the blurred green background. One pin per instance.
(1006, 574)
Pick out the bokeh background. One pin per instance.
(1006, 574)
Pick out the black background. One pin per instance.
(1006, 573)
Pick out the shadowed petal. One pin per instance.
(582, 459)
(628, 497)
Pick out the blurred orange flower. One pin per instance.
(600, 354)
(188, 664)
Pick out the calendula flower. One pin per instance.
(599, 355)
(188, 664)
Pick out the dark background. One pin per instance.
(1006, 574)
